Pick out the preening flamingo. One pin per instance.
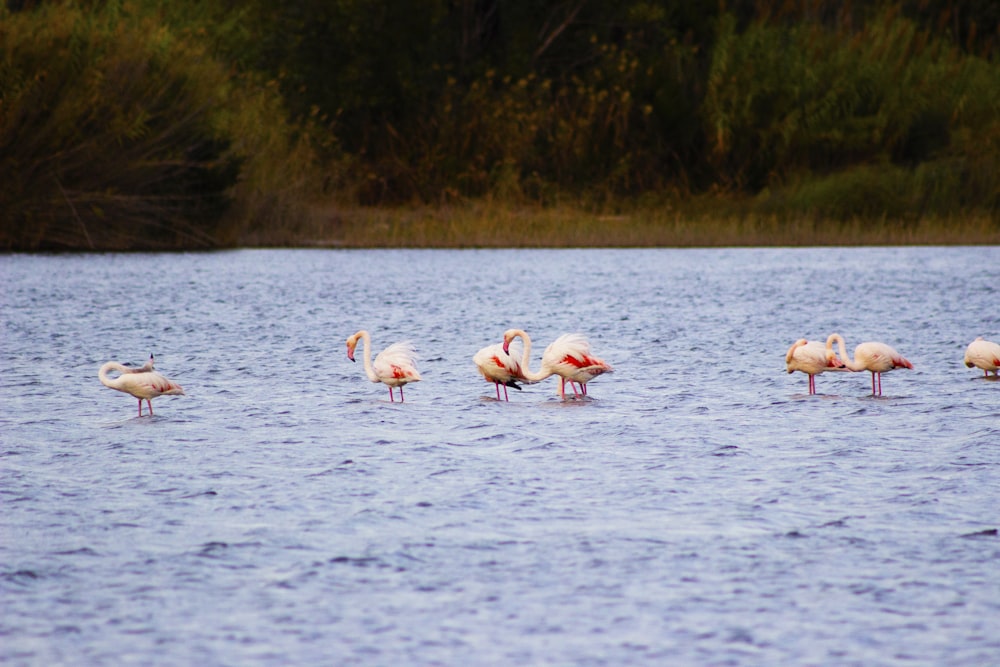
(983, 354)
(876, 358)
(568, 357)
(395, 366)
(143, 383)
(498, 366)
(812, 358)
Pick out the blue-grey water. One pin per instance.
(699, 509)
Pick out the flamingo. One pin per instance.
(395, 365)
(812, 358)
(984, 354)
(143, 383)
(499, 367)
(876, 358)
(568, 357)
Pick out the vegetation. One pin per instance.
(128, 124)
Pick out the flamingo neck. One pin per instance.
(106, 380)
(366, 339)
(526, 359)
(850, 363)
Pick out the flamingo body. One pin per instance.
(811, 358)
(144, 383)
(983, 354)
(394, 366)
(499, 367)
(877, 358)
(568, 356)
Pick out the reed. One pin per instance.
(700, 223)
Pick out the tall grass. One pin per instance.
(708, 222)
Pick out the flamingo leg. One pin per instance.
(140, 407)
(583, 388)
(150, 404)
(392, 398)
(812, 385)
(401, 399)
(879, 384)
(562, 387)
(505, 396)
(497, 386)
(573, 384)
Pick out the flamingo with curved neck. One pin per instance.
(144, 383)
(394, 366)
(811, 358)
(877, 358)
(568, 357)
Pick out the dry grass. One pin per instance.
(486, 225)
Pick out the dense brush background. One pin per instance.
(155, 124)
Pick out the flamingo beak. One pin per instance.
(350, 353)
(506, 347)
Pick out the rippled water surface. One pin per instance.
(699, 508)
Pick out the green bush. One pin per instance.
(117, 131)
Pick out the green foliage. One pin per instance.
(178, 123)
(118, 132)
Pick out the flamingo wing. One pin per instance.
(499, 366)
(397, 364)
(148, 385)
(569, 356)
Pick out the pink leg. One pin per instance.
(505, 396)
(392, 398)
(573, 385)
(150, 404)
(879, 384)
(401, 399)
(140, 407)
(812, 385)
(562, 387)
(497, 386)
(583, 388)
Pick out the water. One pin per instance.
(699, 509)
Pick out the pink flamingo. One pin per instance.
(983, 354)
(876, 358)
(812, 358)
(499, 367)
(143, 383)
(395, 366)
(568, 357)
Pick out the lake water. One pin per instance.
(699, 508)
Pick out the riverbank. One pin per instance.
(485, 225)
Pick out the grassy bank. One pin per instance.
(487, 225)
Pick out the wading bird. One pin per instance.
(498, 366)
(983, 354)
(812, 358)
(143, 383)
(876, 358)
(395, 366)
(568, 357)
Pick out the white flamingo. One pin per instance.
(877, 358)
(143, 383)
(983, 354)
(394, 366)
(498, 366)
(568, 357)
(811, 357)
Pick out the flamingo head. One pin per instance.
(352, 343)
(508, 336)
(833, 361)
